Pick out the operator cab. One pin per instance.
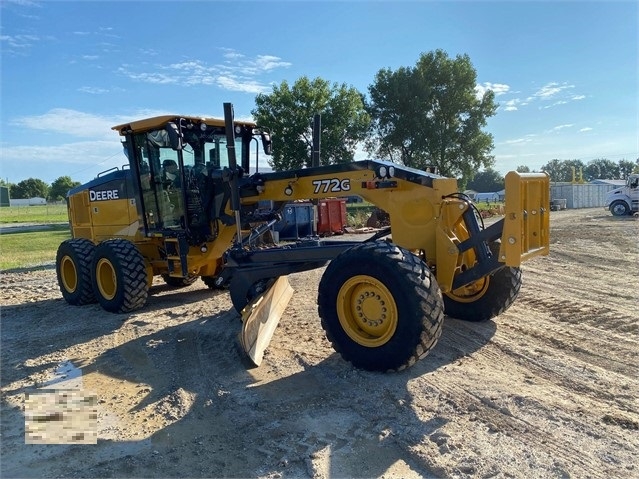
(180, 163)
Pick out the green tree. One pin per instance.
(562, 170)
(626, 168)
(60, 187)
(523, 169)
(288, 112)
(487, 181)
(430, 115)
(30, 188)
(601, 168)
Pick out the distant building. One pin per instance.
(28, 201)
(492, 197)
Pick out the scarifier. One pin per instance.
(381, 301)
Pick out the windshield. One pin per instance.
(202, 148)
(170, 178)
(199, 157)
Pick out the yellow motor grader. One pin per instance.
(381, 300)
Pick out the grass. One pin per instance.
(34, 214)
(33, 248)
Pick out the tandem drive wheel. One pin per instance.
(73, 270)
(119, 276)
(176, 282)
(380, 306)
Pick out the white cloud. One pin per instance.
(511, 105)
(101, 152)
(93, 90)
(23, 3)
(81, 160)
(70, 122)
(585, 129)
(87, 152)
(155, 77)
(561, 127)
(516, 141)
(229, 83)
(497, 88)
(18, 42)
(232, 54)
(552, 94)
(550, 90)
(269, 62)
(237, 73)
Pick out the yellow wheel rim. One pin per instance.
(367, 311)
(471, 292)
(105, 277)
(68, 274)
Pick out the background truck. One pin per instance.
(381, 301)
(624, 200)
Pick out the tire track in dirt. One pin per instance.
(524, 417)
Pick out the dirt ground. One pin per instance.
(549, 389)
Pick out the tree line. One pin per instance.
(36, 188)
(427, 116)
(561, 171)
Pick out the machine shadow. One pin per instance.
(44, 331)
(216, 418)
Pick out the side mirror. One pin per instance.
(175, 137)
(267, 145)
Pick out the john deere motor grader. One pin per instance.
(381, 301)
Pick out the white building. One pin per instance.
(27, 201)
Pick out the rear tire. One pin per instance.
(380, 306)
(119, 276)
(176, 282)
(619, 208)
(73, 269)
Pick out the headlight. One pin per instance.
(382, 172)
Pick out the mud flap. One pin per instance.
(261, 316)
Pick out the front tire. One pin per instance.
(119, 276)
(619, 208)
(380, 306)
(485, 298)
(73, 270)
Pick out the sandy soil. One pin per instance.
(548, 389)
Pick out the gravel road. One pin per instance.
(547, 390)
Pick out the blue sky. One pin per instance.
(565, 73)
